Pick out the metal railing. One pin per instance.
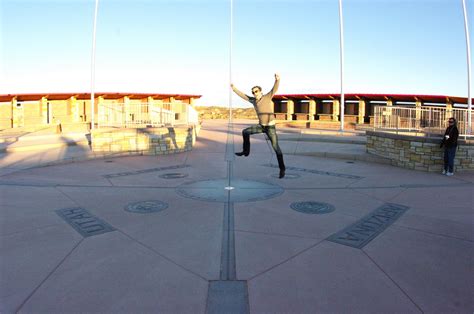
(126, 115)
(429, 121)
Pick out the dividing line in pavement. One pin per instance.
(228, 244)
(228, 295)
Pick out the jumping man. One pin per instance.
(266, 120)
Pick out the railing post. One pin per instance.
(173, 117)
(161, 115)
(428, 123)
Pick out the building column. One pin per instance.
(160, 106)
(152, 112)
(173, 108)
(15, 113)
(74, 109)
(150, 101)
(195, 114)
(290, 110)
(335, 110)
(99, 110)
(312, 109)
(44, 109)
(125, 100)
(387, 117)
(418, 105)
(11, 112)
(449, 109)
(172, 104)
(100, 101)
(126, 105)
(361, 111)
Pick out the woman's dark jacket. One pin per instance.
(452, 141)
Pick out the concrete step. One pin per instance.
(43, 142)
(357, 140)
(16, 134)
(327, 125)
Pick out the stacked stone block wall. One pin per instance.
(418, 153)
(147, 141)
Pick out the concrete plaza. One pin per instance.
(218, 234)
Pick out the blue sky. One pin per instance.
(182, 46)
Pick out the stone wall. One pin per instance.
(419, 153)
(147, 141)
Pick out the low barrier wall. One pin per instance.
(419, 153)
(147, 141)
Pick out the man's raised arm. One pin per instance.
(275, 85)
(242, 95)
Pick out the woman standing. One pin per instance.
(450, 143)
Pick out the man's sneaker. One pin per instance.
(444, 172)
(449, 173)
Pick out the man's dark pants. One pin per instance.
(449, 154)
(271, 133)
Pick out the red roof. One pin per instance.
(380, 97)
(60, 96)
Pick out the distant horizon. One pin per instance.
(460, 101)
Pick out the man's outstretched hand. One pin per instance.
(277, 77)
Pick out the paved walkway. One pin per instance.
(204, 232)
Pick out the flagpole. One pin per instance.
(341, 45)
(468, 52)
(230, 60)
(93, 66)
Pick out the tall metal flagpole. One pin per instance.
(93, 67)
(230, 128)
(468, 48)
(341, 41)
(230, 60)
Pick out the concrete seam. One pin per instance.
(224, 246)
(392, 280)
(111, 183)
(374, 197)
(432, 233)
(161, 255)
(206, 310)
(286, 260)
(67, 196)
(49, 275)
(277, 234)
(86, 186)
(297, 144)
(231, 262)
(398, 194)
(33, 229)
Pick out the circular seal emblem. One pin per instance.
(146, 207)
(312, 207)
